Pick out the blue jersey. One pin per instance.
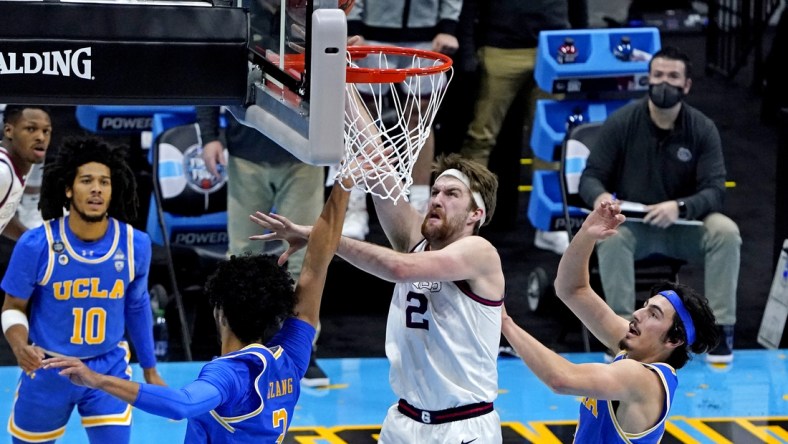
(246, 396)
(83, 295)
(598, 422)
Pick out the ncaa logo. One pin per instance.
(197, 175)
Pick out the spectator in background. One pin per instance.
(261, 176)
(507, 33)
(27, 132)
(661, 152)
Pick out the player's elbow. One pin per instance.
(560, 383)
(176, 415)
(400, 271)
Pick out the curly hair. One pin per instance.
(255, 294)
(482, 180)
(59, 175)
(706, 334)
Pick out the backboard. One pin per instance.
(299, 47)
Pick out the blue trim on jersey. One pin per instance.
(598, 423)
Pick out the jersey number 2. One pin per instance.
(414, 314)
(280, 420)
(90, 326)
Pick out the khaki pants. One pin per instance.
(294, 190)
(504, 73)
(716, 244)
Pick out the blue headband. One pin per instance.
(684, 315)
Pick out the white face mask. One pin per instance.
(665, 95)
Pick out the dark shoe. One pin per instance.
(315, 376)
(723, 352)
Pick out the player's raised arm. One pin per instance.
(320, 249)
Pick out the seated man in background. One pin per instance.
(663, 153)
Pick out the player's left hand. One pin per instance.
(74, 369)
(152, 376)
(281, 228)
(662, 215)
(604, 220)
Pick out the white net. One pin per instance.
(387, 124)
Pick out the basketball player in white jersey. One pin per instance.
(444, 322)
(27, 131)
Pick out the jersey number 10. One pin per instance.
(94, 323)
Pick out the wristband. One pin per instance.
(13, 317)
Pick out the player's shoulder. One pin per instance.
(476, 243)
(141, 238)
(33, 238)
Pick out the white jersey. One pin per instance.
(12, 185)
(442, 343)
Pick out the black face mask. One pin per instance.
(665, 95)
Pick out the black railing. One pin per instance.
(735, 33)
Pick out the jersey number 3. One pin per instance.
(414, 314)
(90, 326)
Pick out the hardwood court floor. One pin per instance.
(746, 402)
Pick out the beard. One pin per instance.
(89, 218)
(444, 231)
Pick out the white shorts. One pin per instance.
(399, 429)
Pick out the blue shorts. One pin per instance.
(44, 400)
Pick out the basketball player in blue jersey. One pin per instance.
(628, 400)
(444, 322)
(73, 287)
(248, 394)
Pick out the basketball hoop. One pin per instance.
(389, 113)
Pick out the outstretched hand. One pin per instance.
(281, 228)
(75, 370)
(604, 220)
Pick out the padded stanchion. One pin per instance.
(115, 53)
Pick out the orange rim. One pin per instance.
(393, 75)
